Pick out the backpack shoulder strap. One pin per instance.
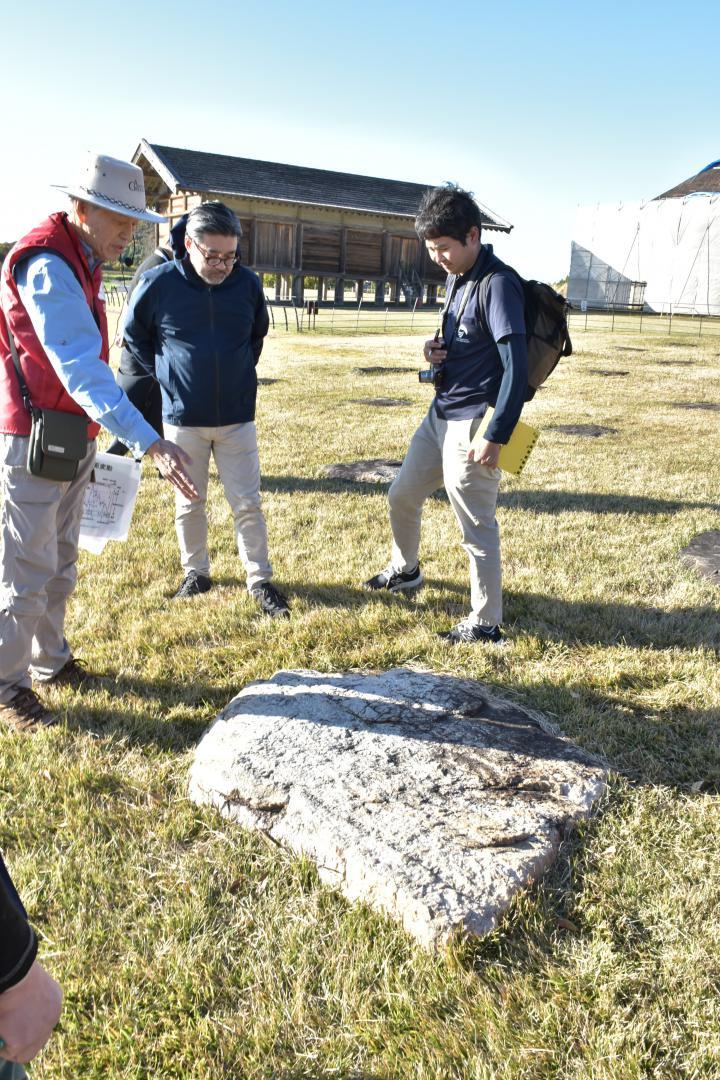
(484, 286)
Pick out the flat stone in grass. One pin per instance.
(426, 796)
(607, 372)
(629, 348)
(382, 402)
(383, 370)
(709, 406)
(703, 554)
(674, 363)
(268, 382)
(371, 471)
(588, 431)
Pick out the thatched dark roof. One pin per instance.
(194, 170)
(707, 182)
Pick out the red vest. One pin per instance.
(46, 391)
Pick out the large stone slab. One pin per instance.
(703, 553)
(426, 796)
(369, 471)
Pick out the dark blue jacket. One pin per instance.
(201, 341)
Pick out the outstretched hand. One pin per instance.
(171, 462)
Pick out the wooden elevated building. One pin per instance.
(301, 222)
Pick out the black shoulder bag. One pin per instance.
(58, 440)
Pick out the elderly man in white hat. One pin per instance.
(54, 356)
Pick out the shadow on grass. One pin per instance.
(611, 623)
(540, 501)
(114, 715)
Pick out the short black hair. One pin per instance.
(447, 211)
(212, 217)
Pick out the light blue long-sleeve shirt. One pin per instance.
(67, 331)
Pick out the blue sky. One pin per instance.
(535, 107)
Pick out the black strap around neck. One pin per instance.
(470, 284)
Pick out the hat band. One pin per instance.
(118, 202)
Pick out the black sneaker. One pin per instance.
(469, 631)
(270, 601)
(391, 580)
(193, 585)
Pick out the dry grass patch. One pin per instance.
(189, 948)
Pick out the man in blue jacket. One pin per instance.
(199, 325)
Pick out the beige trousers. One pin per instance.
(39, 531)
(437, 457)
(235, 450)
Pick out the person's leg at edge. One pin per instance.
(50, 649)
(28, 561)
(472, 490)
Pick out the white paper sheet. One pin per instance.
(109, 501)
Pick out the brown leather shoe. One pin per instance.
(26, 712)
(73, 673)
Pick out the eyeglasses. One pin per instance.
(216, 260)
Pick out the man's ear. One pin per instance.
(188, 242)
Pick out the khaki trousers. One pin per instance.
(39, 531)
(436, 457)
(235, 450)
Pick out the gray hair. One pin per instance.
(212, 217)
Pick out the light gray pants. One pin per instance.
(39, 530)
(436, 457)
(235, 450)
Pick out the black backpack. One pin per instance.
(546, 328)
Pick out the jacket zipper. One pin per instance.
(215, 357)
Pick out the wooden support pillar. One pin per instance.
(298, 289)
(432, 294)
(252, 244)
(379, 292)
(339, 290)
(360, 289)
(278, 287)
(321, 289)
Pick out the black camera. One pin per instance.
(432, 375)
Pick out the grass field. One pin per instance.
(188, 948)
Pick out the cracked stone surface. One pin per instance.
(371, 471)
(703, 553)
(424, 795)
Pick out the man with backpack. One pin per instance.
(478, 359)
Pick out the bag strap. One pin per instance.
(16, 362)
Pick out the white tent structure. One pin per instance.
(662, 255)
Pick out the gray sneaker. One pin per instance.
(389, 580)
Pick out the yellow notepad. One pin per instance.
(515, 453)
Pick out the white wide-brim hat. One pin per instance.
(113, 185)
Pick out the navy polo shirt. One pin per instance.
(473, 371)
